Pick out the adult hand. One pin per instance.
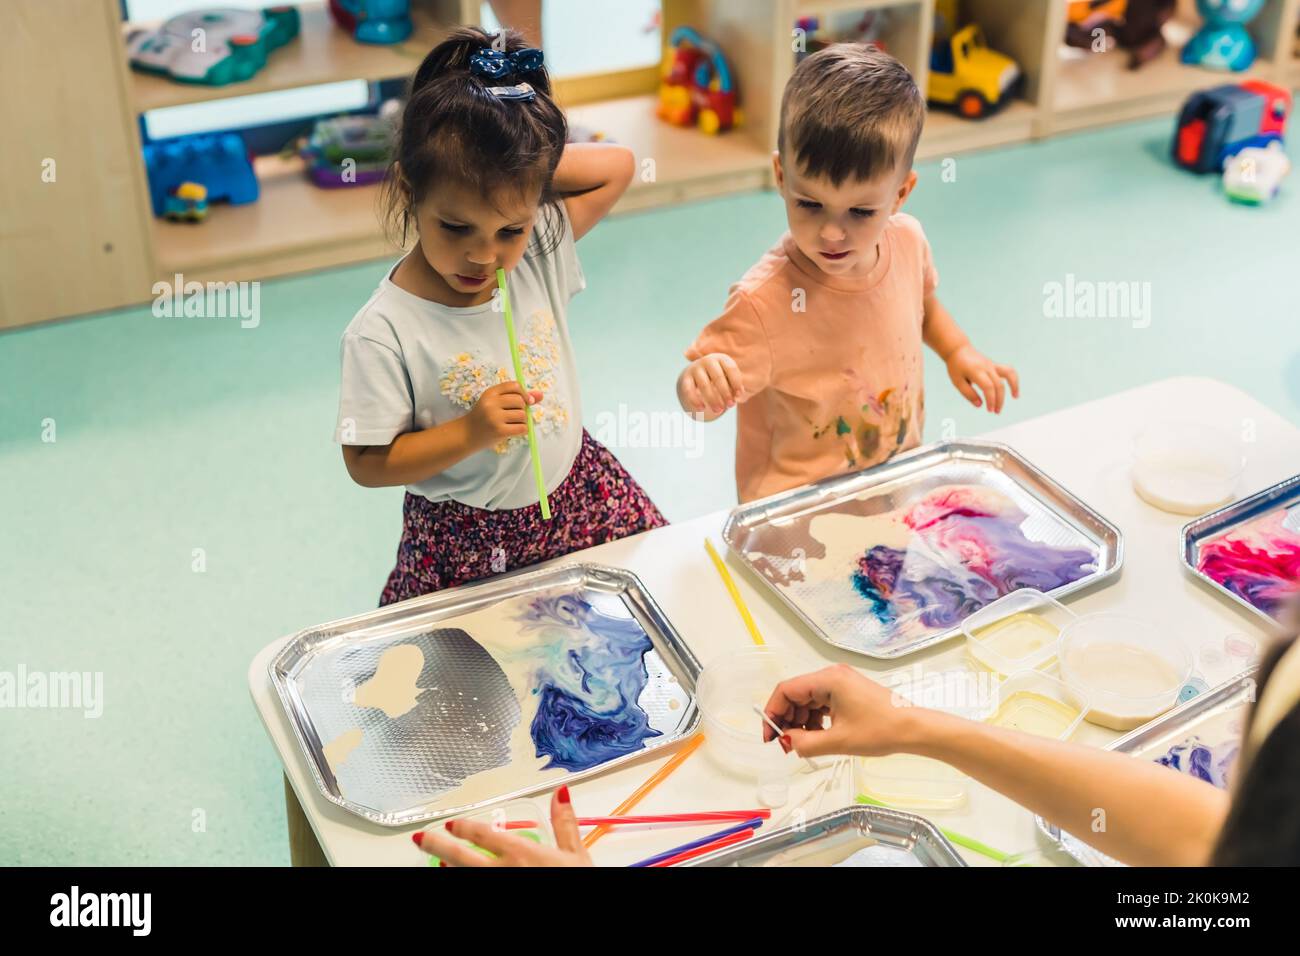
(508, 848)
(866, 719)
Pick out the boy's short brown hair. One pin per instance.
(850, 110)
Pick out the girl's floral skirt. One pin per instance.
(446, 543)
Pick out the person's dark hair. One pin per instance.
(1263, 824)
(850, 110)
(453, 129)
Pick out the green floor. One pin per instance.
(183, 434)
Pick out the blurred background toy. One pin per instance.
(697, 88)
(213, 46)
(1255, 173)
(348, 150)
(374, 21)
(969, 77)
(844, 26)
(1215, 124)
(1222, 42)
(188, 202)
(1132, 25)
(219, 163)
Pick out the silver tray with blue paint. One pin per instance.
(889, 560)
(1200, 737)
(451, 702)
(851, 837)
(1275, 513)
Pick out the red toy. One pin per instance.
(697, 88)
(1218, 123)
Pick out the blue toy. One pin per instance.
(1222, 43)
(374, 21)
(219, 163)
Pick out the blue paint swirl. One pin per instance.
(588, 683)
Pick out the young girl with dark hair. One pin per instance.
(482, 180)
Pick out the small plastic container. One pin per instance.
(507, 817)
(1186, 468)
(909, 782)
(1039, 703)
(1018, 631)
(1130, 670)
(727, 691)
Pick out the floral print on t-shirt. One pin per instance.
(467, 375)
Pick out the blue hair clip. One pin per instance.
(494, 65)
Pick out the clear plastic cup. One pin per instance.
(1130, 669)
(727, 691)
(1019, 631)
(1186, 468)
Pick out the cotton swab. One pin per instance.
(528, 412)
(971, 844)
(781, 733)
(702, 841)
(656, 778)
(734, 592)
(716, 845)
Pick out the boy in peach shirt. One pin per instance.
(820, 342)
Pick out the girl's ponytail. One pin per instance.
(457, 126)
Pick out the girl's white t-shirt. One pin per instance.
(411, 364)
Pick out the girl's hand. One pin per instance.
(711, 384)
(509, 849)
(968, 369)
(500, 412)
(866, 718)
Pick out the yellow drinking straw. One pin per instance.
(734, 592)
(528, 412)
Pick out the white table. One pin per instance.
(1085, 448)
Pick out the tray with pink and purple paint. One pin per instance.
(1201, 738)
(890, 560)
(1250, 549)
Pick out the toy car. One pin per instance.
(235, 44)
(697, 87)
(1253, 174)
(1215, 124)
(966, 75)
(188, 202)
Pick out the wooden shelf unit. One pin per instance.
(295, 226)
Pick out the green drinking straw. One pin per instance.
(528, 412)
(957, 838)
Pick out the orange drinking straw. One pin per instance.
(656, 778)
(734, 592)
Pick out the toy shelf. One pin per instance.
(1091, 89)
(687, 164)
(322, 53)
(292, 225)
(946, 133)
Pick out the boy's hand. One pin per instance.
(969, 370)
(710, 385)
(500, 412)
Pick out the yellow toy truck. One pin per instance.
(969, 77)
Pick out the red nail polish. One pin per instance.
(563, 794)
(448, 825)
(417, 837)
(442, 862)
(786, 743)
